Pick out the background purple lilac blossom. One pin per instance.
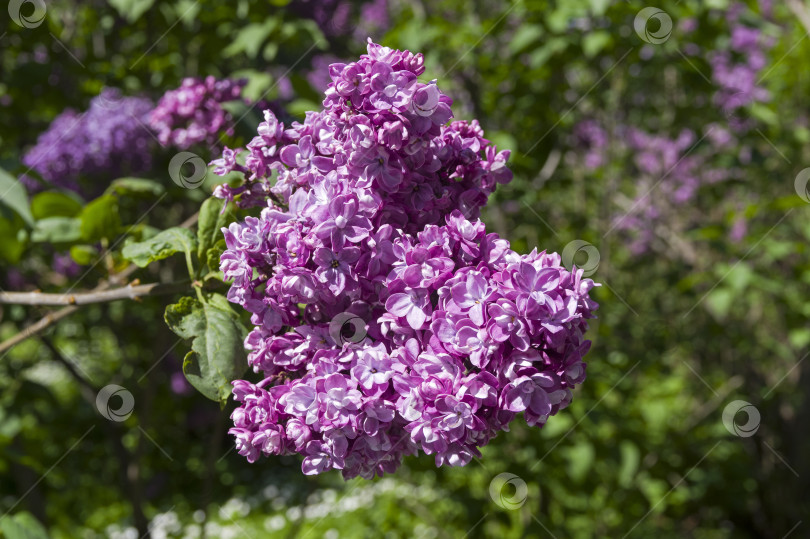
(673, 169)
(193, 113)
(109, 139)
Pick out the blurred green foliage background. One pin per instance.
(700, 318)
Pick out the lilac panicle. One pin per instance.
(108, 140)
(370, 208)
(344, 18)
(193, 113)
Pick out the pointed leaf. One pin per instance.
(23, 525)
(100, 219)
(163, 245)
(135, 187)
(217, 354)
(11, 246)
(57, 230)
(13, 196)
(54, 204)
(212, 219)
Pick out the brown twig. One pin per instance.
(96, 296)
(37, 327)
(51, 318)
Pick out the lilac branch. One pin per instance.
(131, 291)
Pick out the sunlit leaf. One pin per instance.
(163, 245)
(217, 354)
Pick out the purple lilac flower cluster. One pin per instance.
(372, 216)
(193, 113)
(660, 156)
(338, 18)
(670, 176)
(671, 169)
(593, 139)
(109, 139)
(374, 18)
(735, 70)
(333, 17)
